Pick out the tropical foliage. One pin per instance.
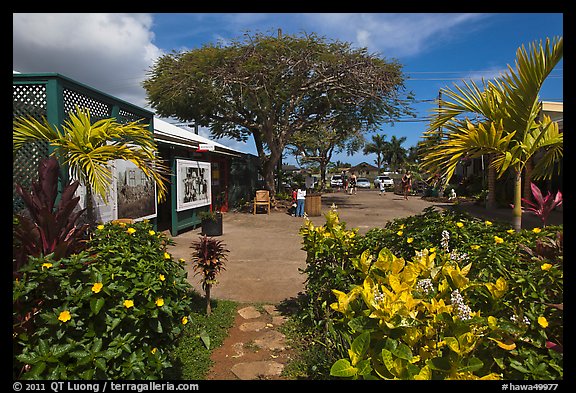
(87, 148)
(508, 124)
(542, 205)
(440, 295)
(47, 226)
(208, 258)
(110, 312)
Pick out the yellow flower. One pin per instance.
(536, 230)
(399, 233)
(402, 226)
(151, 232)
(128, 303)
(488, 223)
(545, 266)
(100, 227)
(410, 240)
(181, 260)
(184, 320)
(97, 287)
(46, 265)
(130, 230)
(162, 278)
(154, 350)
(542, 322)
(459, 224)
(166, 255)
(64, 316)
(432, 249)
(475, 246)
(498, 239)
(511, 231)
(159, 302)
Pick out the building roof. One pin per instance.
(175, 135)
(364, 166)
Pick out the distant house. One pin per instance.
(364, 170)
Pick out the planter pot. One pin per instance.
(212, 227)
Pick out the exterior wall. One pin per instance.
(233, 182)
(54, 96)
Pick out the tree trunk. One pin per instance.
(528, 179)
(491, 200)
(208, 308)
(517, 212)
(89, 204)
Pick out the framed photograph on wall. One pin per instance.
(193, 184)
(135, 193)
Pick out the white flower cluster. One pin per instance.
(525, 320)
(378, 296)
(425, 286)
(458, 303)
(445, 239)
(455, 256)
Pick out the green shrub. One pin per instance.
(445, 296)
(110, 312)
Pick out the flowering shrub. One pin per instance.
(447, 296)
(110, 312)
(329, 248)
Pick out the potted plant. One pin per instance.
(211, 222)
(208, 258)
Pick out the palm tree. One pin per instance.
(87, 149)
(508, 128)
(378, 146)
(396, 153)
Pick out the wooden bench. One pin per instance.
(262, 198)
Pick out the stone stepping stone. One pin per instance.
(239, 349)
(249, 312)
(253, 326)
(271, 340)
(257, 370)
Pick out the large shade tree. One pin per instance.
(503, 120)
(272, 86)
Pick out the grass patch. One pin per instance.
(191, 359)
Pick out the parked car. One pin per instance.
(387, 180)
(362, 182)
(336, 181)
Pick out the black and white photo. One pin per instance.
(193, 184)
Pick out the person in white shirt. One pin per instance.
(300, 198)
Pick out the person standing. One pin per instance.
(381, 186)
(406, 184)
(352, 184)
(300, 199)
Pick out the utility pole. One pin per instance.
(439, 109)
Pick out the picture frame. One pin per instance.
(135, 192)
(193, 184)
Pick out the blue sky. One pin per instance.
(113, 52)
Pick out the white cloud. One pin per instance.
(391, 35)
(110, 52)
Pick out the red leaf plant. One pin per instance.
(543, 205)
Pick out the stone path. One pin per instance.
(254, 349)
